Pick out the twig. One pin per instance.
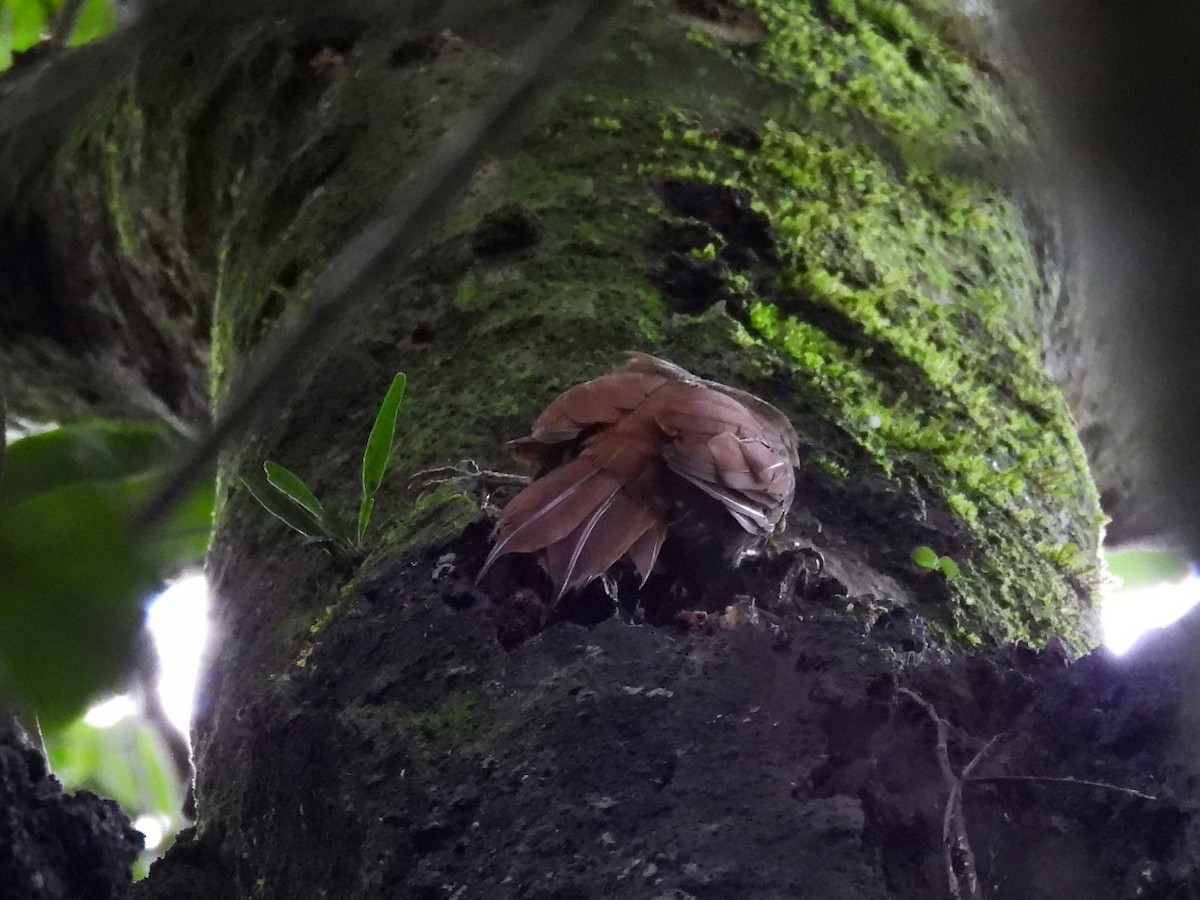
(418, 208)
(954, 830)
(466, 470)
(807, 564)
(1068, 780)
(480, 482)
(954, 824)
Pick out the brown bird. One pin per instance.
(626, 455)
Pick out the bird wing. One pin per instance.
(601, 401)
(722, 448)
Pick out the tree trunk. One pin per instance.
(799, 199)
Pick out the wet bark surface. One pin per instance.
(751, 754)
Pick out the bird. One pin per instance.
(644, 450)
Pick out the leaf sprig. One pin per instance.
(283, 493)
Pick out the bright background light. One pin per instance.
(1127, 614)
(154, 828)
(178, 619)
(109, 712)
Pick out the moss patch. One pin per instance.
(908, 294)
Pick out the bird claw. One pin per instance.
(805, 569)
(610, 589)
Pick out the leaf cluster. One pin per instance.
(928, 559)
(73, 574)
(283, 494)
(25, 24)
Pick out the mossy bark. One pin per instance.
(792, 197)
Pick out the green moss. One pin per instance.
(933, 374)
(322, 620)
(306, 638)
(454, 720)
(606, 124)
(122, 162)
(829, 466)
(431, 518)
(886, 64)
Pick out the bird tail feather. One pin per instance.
(585, 519)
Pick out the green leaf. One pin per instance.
(96, 19)
(126, 460)
(948, 567)
(182, 539)
(72, 579)
(379, 451)
(290, 485)
(28, 23)
(72, 582)
(287, 511)
(126, 761)
(364, 516)
(93, 451)
(924, 557)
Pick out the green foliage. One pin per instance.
(287, 482)
(95, 21)
(924, 557)
(285, 495)
(71, 585)
(127, 762)
(928, 559)
(379, 450)
(948, 567)
(23, 23)
(182, 540)
(95, 451)
(286, 508)
(72, 574)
